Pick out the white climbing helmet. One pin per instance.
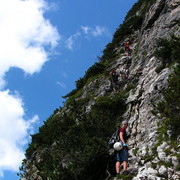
(118, 146)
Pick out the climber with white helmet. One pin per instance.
(122, 155)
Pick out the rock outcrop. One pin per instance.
(150, 158)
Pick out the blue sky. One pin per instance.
(46, 45)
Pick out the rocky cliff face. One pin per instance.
(149, 158)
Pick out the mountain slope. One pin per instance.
(72, 143)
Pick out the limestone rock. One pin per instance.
(175, 161)
(146, 90)
(162, 156)
(163, 170)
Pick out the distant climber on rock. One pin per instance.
(127, 49)
(122, 155)
(114, 79)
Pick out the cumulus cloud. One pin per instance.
(24, 34)
(13, 131)
(26, 41)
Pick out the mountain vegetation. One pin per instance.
(72, 143)
(77, 140)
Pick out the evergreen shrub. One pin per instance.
(168, 50)
(74, 143)
(170, 107)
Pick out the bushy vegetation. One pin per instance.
(125, 177)
(74, 143)
(170, 107)
(168, 50)
(94, 70)
(132, 22)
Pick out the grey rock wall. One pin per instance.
(160, 22)
(140, 70)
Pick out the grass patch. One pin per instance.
(125, 177)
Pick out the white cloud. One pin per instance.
(99, 31)
(85, 29)
(54, 6)
(86, 32)
(26, 40)
(13, 131)
(24, 34)
(62, 85)
(70, 42)
(96, 31)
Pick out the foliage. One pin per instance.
(170, 107)
(168, 50)
(94, 70)
(108, 52)
(125, 177)
(160, 68)
(73, 92)
(148, 158)
(166, 164)
(75, 143)
(133, 21)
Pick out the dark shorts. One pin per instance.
(122, 155)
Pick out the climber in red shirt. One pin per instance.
(127, 49)
(122, 155)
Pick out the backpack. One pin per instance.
(114, 138)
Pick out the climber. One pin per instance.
(122, 155)
(127, 49)
(114, 79)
